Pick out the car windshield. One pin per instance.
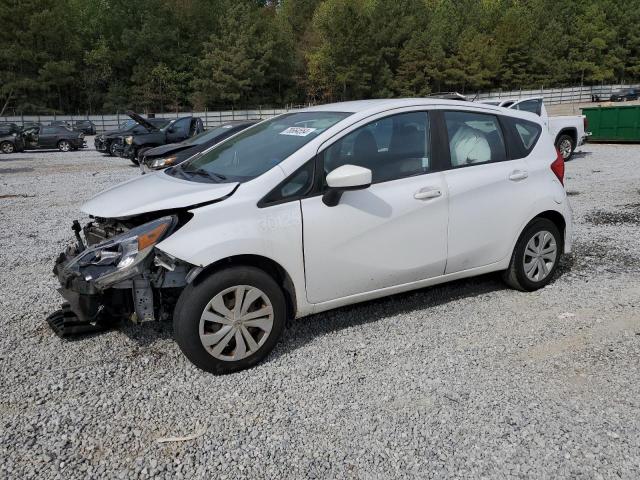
(127, 124)
(257, 149)
(208, 135)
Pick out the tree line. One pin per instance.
(79, 56)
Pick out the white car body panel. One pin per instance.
(377, 241)
(375, 238)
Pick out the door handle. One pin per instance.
(517, 175)
(426, 194)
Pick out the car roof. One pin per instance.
(372, 106)
(510, 99)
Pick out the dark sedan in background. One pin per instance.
(624, 95)
(85, 126)
(44, 137)
(175, 153)
(11, 138)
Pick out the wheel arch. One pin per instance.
(571, 131)
(553, 216)
(267, 265)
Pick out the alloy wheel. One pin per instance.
(540, 256)
(7, 147)
(64, 146)
(236, 323)
(565, 148)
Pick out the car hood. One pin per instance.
(166, 149)
(152, 193)
(143, 121)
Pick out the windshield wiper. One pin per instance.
(205, 173)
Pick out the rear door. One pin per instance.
(392, 233)
(47, 137)
(488, 194)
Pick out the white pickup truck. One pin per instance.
(568, 131)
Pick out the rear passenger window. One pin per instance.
(474, 138)
(522, 136)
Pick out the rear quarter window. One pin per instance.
(521, 136)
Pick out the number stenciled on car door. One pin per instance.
(488, 191)
(388, 234)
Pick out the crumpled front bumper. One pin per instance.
(84, 298)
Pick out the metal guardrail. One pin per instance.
(552, 96)
(111, 122)
(555, 96)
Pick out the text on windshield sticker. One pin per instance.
(298, 131)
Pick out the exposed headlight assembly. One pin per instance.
(165, 162)
(122, 256)
(128, 140)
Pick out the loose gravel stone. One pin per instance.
(465, 380)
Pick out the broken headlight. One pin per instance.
(128, 140)
(165, 162)
(121, 257)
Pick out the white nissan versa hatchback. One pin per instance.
(315, 209)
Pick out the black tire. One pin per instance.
(111, 149)
(515, 275)
(561, 143)
(7, 147)
(64, 145)
(194, 299)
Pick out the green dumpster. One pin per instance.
(614, 124)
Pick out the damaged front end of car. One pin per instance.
(113, 271)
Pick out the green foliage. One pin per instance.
(78, 56)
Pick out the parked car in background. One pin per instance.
(316, 209)
(172, 154)
(85, 126)
(45, 137)
(108, 141)
(624, 95)
(11, 138)
(567, 131)
(133, 145)
(60, 123)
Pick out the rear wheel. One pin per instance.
(565, 146)
(64, 145)
(535, 257)
(231, 320)
(7, 147)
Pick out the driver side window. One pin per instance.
(393, 147)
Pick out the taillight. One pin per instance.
(557, 167)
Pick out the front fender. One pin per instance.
(232, 228)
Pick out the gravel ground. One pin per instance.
(466, 380)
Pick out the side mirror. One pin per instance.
(344, 178)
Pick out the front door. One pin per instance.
(179, 130)
(392, 233)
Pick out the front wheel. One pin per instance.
(111, 150)
(231, 320)
(7, 147)
(565, 146)
(535, 257)
(64, 145)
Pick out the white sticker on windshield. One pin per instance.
(298, 131)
